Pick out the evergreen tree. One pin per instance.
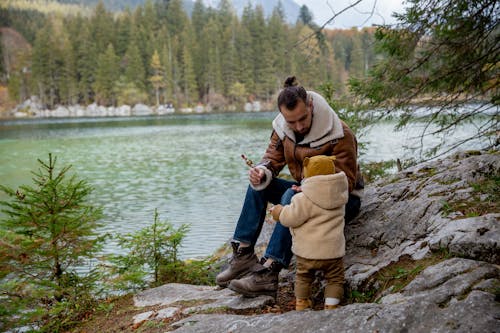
(199, 17)
(48, 230)
(123, 32)
(176, 18)
(68, 84)
(305, 15)
(278, 35)
(230, 56)
(3, 71)
(107, 75)
(446, 52)
(245, 53)
(86, 55)
(167, 59)
(46, 64)
(134, 68)
(187, 78)
(102, 25)
(213, 69)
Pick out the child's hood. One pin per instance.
(326, 191)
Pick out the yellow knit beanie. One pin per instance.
(318, 165)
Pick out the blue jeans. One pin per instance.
(253, 214)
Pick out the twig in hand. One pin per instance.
(248, 161)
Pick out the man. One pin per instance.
(306, 126)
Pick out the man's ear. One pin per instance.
(306, 161)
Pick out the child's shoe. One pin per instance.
(331, 307)
(302, 304)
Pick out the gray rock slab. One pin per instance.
(155, 314)
(208, 297)
(478, 312)
(403, 215)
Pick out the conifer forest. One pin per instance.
(158, 54)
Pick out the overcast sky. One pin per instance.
(354, 17)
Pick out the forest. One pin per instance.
(158, 54)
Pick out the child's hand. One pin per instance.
(275, 212)
(296, 188)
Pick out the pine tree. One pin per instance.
(85, 58)
(186, 60)
(42, 65)
(305, 15)
(49, 229)
(176, 18)
(213, 78)
(123, 32)
(107, 75)
(3, 70)
(230, 56)
(278, 35)
(199, 17)
(134, 68)
(68, 84)
(102, 25)
(445, 52)
(167, 60)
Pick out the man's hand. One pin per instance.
(256, 175)
(297, 188)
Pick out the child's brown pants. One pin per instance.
(334, 276)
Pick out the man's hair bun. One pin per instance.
(291, 94)
(290, 81)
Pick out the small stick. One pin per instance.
(247, 161)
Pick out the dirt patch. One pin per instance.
(116, 315)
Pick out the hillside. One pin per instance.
(13, 46)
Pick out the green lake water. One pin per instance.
(187, 166)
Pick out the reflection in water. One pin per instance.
(187, 166)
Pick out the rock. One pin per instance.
(187, 299)
(403, 219)
(443, 298)
(141, 110)
(405, 216)
(176, 292)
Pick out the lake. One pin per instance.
(187, 166)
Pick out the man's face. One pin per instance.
(299, 119)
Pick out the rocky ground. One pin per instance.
(422, 256)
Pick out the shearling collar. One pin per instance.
(326, 125)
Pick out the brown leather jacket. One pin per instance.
(328, 136)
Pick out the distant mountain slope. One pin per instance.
(113, 5)
(13, 46)
(291, 8)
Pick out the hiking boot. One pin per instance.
(263, 281)
(243, 259)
